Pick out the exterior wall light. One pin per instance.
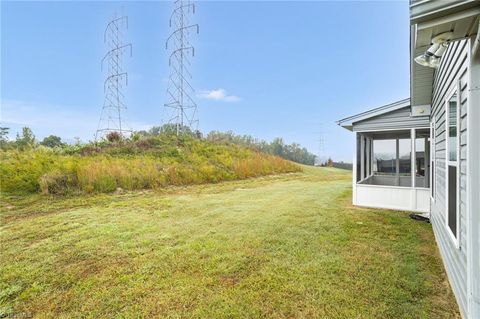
(431, 57)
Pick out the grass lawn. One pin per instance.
(288, 246)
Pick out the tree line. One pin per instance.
(293, 152)
(26, 139)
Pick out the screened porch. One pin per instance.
(394, 158)
(392, 169)
(391, 164)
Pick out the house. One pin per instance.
(422, 154)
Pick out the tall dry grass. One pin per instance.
(41, 170)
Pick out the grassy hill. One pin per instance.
(144, 163)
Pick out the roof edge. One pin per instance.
(348, 121)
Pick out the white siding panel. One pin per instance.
(392, 197)
(453, 70)
(399, 119)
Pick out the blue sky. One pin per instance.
(274, 69)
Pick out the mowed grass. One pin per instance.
(289, 246)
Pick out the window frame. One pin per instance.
(455, 239)
(433, 156)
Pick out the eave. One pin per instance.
(348, 122)
(428, 10)
(429, 18)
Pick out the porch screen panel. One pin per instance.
(359, 159)
(404, 156)
(422, 163)
(384, 157)
(365, 164)
(392, 153)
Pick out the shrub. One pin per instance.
(114, 137)
(21, 171)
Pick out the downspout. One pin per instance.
(473, 180)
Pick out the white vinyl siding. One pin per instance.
(453, 72)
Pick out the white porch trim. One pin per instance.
(393, 197)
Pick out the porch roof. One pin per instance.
(396, 115)
(350, 121)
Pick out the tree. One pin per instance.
(175, 129)
(4, 133)
(26, 139)
(170, 129)
(155, 130)
(278, 147)
(135, 137)
(52, 141)
(329, 162)
(4, 136)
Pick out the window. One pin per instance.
(452, 164)
(452, 129)
(433, 148)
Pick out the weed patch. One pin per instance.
(146, 164)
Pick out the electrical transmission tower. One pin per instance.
(180, 107)
(116, 78)
(320, 149)
(321, 142)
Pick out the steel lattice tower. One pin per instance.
(180, 107)
(116, 78)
